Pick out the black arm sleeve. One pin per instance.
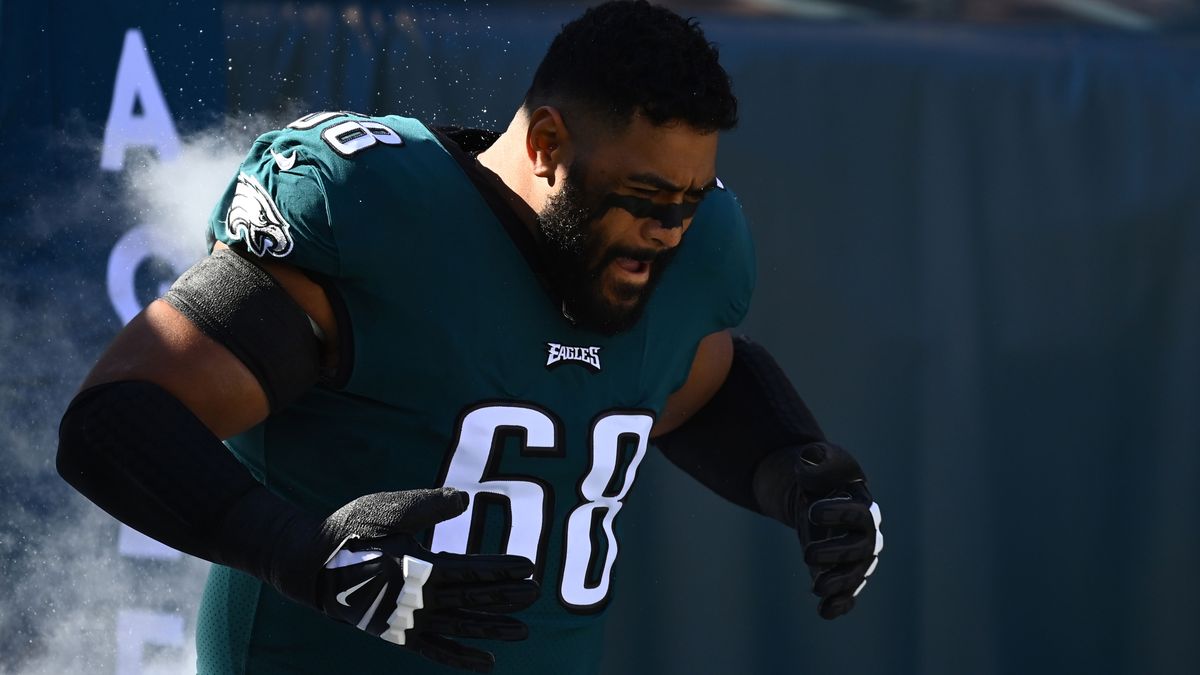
(754, 413)
(241, 306)
(142, 456)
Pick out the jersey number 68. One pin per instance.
(471, 468)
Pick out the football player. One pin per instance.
(402, 402)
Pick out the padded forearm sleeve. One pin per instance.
(754, 413)
(138, 453)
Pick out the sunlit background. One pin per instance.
(978, 226)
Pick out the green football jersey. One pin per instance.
(458, 368)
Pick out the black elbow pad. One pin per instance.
(137, 452)
(755, 412)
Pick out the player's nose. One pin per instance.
(663, 236)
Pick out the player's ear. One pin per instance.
(547, 143)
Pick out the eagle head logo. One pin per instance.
(254, 219)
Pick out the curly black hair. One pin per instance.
(624, 57)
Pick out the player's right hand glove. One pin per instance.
(380, 579)
(820, 490)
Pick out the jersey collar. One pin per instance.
(519, 221)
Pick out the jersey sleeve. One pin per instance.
(275, 207)
(729, 268)
(706, 289)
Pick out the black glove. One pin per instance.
(129, 444)
(820, 490)
(380, 579)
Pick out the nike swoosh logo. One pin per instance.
(366, 619)
(341, 597)
(284, 162)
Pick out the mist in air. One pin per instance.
(78, 594)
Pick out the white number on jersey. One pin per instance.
(351, 136)
(527, 499)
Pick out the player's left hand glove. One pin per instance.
(820, 490)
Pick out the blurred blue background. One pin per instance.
(978, 228)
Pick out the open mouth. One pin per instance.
(633, 266)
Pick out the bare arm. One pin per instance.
(709, 369)
(162, 346)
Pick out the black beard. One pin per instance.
(576, 260)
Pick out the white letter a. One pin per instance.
(154, 127)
